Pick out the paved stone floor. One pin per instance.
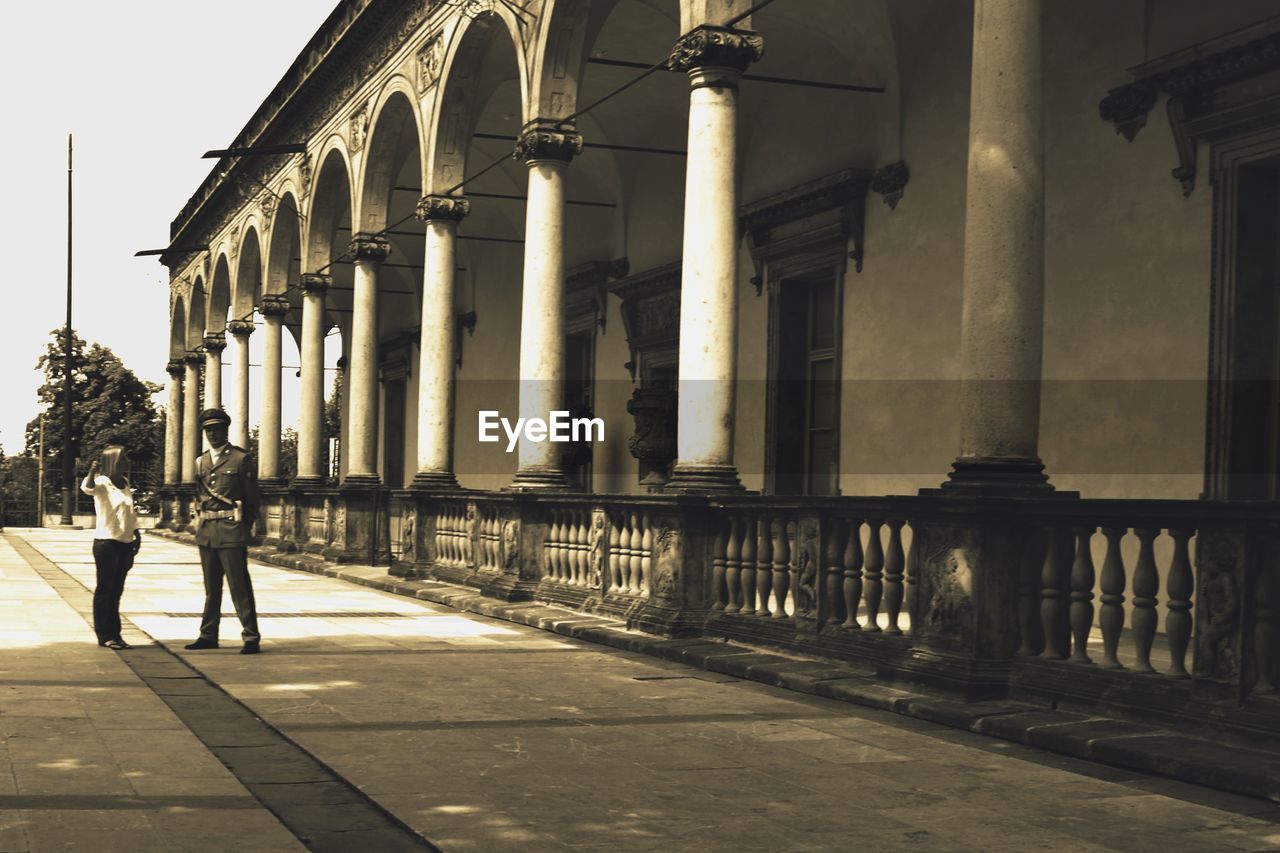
(482, 735)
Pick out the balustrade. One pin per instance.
(453, 534)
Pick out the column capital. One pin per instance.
(174, 367)
(240, 327)
(448, 207)
(709, 46)
(545, 140)
(273, 306)
(215, 342)
(369, 247)
(193, 358)
(315, 282)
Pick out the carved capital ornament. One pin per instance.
(452, 208)
(370, 247)
(215, 342)
(547, 142)
(314, 282)
(716, 47)
(273, 306)
(174, 368)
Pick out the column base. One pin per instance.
(307, 481)
(431, 480)
(538, 479)
(996, 476)
(361, 481)
(704, 478)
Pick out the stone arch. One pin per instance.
(195, 316)
(467, 80)
(219, 295)
(248, 278)
(178, 328)
(395, 133)
(283, 259)
(332, 202)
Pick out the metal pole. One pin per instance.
(68, 462)
(40, 477)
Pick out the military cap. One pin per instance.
(214, 416)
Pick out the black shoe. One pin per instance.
(201, 643)
(117, 644)
(250, 648)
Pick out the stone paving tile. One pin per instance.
(485, 735)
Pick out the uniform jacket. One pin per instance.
(232, 477)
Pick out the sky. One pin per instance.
(146, 87)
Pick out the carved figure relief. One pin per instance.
(595, 549)
(304, 175)
(430, 58)
(807, 571)
(666, 577)
(359, 127)
(1217, 611)
(408, 535)
(947, 577)
(510, 544)
(340, 526)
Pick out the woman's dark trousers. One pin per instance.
(114, 559)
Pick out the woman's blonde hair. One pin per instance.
(115, 464)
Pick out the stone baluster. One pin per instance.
(764, 564)
(580, 533)
(1082, 580)
(615, 553)
(894, 568)
(874, 588)
(719, 593)
(913, 575)
(833, 575)
(853, 561)
(1180, 585)
(553, 547)
(795, 546)
(1055, 581)
(637, 560)
(1030, 631)
(1146, 583)
(646, 556)
(733, 565)
(781, 568)
(1111, 616)
(748, 575)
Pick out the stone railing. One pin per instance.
(1167, 607)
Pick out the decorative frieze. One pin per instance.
(716, 47)
(447, 207)
(546, 141)
(369, 247)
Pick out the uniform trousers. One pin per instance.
(113, 560)
(233, 563)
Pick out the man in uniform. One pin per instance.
(226, 506)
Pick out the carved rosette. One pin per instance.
(318, 283)
(215, 342)
(1127, 106)
(174, 368)
(447, 207)
(273, 306)
(369, 247)
(890, 181)
(716, 47)
(240, 327)
(547, 142)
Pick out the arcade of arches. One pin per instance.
(828, 249)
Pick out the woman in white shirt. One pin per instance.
(116, 539)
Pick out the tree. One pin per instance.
(108, 401)
(288, 451)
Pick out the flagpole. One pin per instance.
(68, 462)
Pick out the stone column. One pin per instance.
(714, 58)
(546, 150)
(273, 309)
(214, 344)
(173, 425)
(368, 252)
(190, 413)
(1002, 321)
(436, 356)
(311, 413)
(240, 331)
